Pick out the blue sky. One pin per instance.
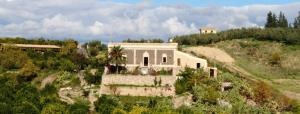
(210, 2)
(116, 20)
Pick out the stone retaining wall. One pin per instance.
(137, 80)
(137, 91)
(137, 85)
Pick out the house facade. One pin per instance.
(158, 56)
(208, 30)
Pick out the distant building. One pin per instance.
(34, 47)
(208, 30)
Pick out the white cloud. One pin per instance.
(61, 24)
(97, 28)
(102, 19)
(175, 27)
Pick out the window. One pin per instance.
(198, 65)
(164, 58)
(211, 31)
(124, 57)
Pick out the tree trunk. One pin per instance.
(117, 68)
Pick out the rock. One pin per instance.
(185, 100)
(224, 103)
(250, 102)
(226, 86)
(93, 71)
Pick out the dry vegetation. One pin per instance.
(274, 62)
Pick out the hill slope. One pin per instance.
(275, 63)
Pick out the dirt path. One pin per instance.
(218, 55)
(292, 95)
(64, 94)
(80, 75)
(48, 80)
(213, 53)
(92, 98)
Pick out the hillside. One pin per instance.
(276, 63)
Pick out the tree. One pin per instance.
(29, 71)
(116, 56)
(274, 21)
(94, 47)
(297, 21)
(269, 20)
(69, 47)
(282, 21)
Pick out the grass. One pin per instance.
(254, 56)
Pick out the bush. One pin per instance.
(275, 59)
(28, 71)
(93, 79)
(67, 65)
(180, 86)
(262, 92)
(79, 108)
(55, 109)
(106, 104)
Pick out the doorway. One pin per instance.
(198, 65)
(145, 61)
(212, 72)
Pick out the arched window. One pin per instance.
(124, 57)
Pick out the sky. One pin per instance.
(116, 20)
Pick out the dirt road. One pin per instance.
(212, 53)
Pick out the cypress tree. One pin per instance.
(282, 21)
(274, 21)
(269, 20)
(297, 21)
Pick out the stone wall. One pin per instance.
(137, 85)
(137, 80)
(137, 91)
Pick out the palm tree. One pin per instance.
(116, 56)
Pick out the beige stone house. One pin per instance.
(158, 56)
(208, 30)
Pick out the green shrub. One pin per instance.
(106, 104)
(79, 108)
(180, 86)
(55, 109)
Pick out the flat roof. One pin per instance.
(33, 45)
(144, 45)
